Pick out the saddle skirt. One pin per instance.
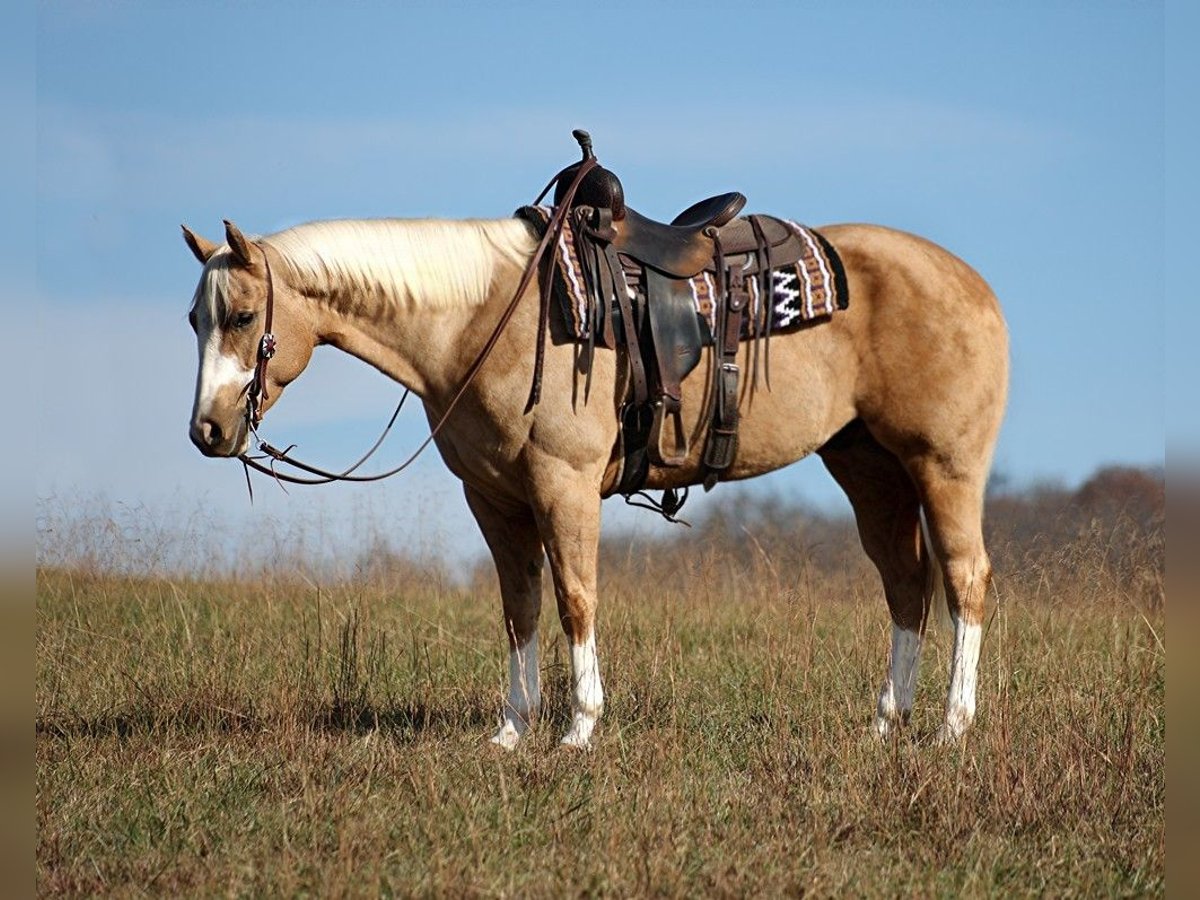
(810, 287)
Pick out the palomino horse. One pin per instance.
(901, 395)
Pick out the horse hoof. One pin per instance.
(579, 735)
(948, 736)
(507, 737)
(577, 742)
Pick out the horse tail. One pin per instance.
(937, 604)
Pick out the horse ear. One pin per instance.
(237, 243)
(201, 248)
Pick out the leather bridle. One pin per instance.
(256, 389)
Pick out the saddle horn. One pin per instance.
(600, 188)
(585, 142)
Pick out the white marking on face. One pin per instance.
(588, 694)
(960, 704)
(218, 371)
(896, 697)
(524, 694)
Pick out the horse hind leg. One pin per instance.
(887, 510)
(953, 502)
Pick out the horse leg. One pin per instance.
(887, 511)
(568, 516)
(516, 547)
(953, 502)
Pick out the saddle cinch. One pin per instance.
(639, 291)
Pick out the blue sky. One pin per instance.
(1027, 138)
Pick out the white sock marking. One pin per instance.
(896, 697)
(524, 694)
(960, 704)
(588, 693)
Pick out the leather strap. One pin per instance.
(256, 390)
(731, 305)
(633, 350)
(766, 298)
(553, 230)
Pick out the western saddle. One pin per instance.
(637, 274)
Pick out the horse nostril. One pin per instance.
(206, 434)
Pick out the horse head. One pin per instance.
(253, 335)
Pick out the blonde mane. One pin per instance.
(213, 286)
(403, 263)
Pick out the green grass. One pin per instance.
(263, 736)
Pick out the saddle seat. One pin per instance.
(685, 250)
(680, 249)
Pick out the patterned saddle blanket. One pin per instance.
(810, 287)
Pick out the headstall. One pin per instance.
(256, 390)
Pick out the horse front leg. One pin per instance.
(568, 515)
(512, 536)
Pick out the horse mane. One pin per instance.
(213, 285)
(403, 263)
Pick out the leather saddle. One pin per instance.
(638, 272)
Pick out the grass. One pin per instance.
(274, 736)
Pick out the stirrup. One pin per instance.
(662, 455)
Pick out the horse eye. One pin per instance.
(242, 319)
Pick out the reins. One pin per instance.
(256, 389)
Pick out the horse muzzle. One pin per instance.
(212, 439)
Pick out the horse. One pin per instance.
(901, 395)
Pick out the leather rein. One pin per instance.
(256, 388)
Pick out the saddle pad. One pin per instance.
(809, 288)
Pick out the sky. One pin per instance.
(1029, 139)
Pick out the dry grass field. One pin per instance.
(273, 735)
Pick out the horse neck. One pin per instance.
(417, 349)
(416, 334)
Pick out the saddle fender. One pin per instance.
(676, 341)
